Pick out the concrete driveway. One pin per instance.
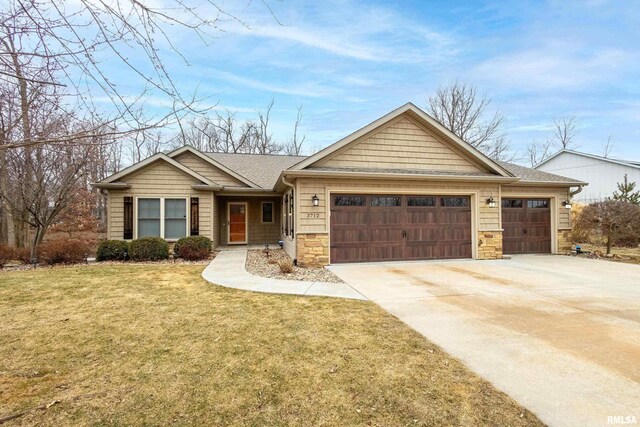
(559, 334)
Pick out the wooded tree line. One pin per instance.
(55, 139)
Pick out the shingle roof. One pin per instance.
(264, 170)
(261, 169)
(533, 175)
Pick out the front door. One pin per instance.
(237, 214)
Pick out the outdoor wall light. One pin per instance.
(491, 203)
(567, 204)
(315, 200)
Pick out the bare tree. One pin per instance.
(461, 110)
(294, 147)
(225, 133)
(612, 219)
(64, 44)
(564, 131)
(538, 151)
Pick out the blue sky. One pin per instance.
(349, 62)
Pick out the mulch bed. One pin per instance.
(260, 265)
(20, 267)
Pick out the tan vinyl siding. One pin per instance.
(401, 144)
(258, 233)
(314, 219)
(208, 170)
(216, 221)
(561, 194)
(159, 179)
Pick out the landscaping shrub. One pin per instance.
(7, 253)
(616, 221)
(285, 265)
(149, 249)
(62, 251)
(193, 247)
(112, 250)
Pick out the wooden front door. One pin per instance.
(398, 227)
(237, 215)
(527, 226)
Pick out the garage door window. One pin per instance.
(349, 201)
(512, 203)
(384, 201)
(421, 201)
(455, 202)
(538, 204)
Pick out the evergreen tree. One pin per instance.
(625, 192)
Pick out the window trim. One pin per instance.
(135, 215)
(273, 212)
(288, 214)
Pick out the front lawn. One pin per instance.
(157, 345)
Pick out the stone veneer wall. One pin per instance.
(312, 250)
(490, 245)
(565, 242)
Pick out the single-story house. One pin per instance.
(602, 173)
(401, 188)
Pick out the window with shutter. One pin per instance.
(128, 218)
(195, 216)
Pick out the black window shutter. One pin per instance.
(128, 218)
(195, 216)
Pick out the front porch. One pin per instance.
(249, 221)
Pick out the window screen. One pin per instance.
(149, 218)
(175, 218)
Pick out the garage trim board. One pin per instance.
(396, 227)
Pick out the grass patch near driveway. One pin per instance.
(157, 345)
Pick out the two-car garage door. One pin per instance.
(399, 227)
(367, 227)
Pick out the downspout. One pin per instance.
(574, 192)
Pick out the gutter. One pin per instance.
(551, 183)
(111, 185)
(404, 176)
(207, 187)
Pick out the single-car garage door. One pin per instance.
(397, 227)
(527, 226)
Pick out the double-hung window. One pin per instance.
(162, 217)
(149, 218)
(175, 218)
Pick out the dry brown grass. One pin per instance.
(156, 345)
(626, 255)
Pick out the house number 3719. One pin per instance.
(313, 215)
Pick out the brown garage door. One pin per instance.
(394, 227)
(527, 226)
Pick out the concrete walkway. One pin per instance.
(228, 269)
(559, 334)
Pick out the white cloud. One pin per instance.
(311, 90)
(554, 66)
